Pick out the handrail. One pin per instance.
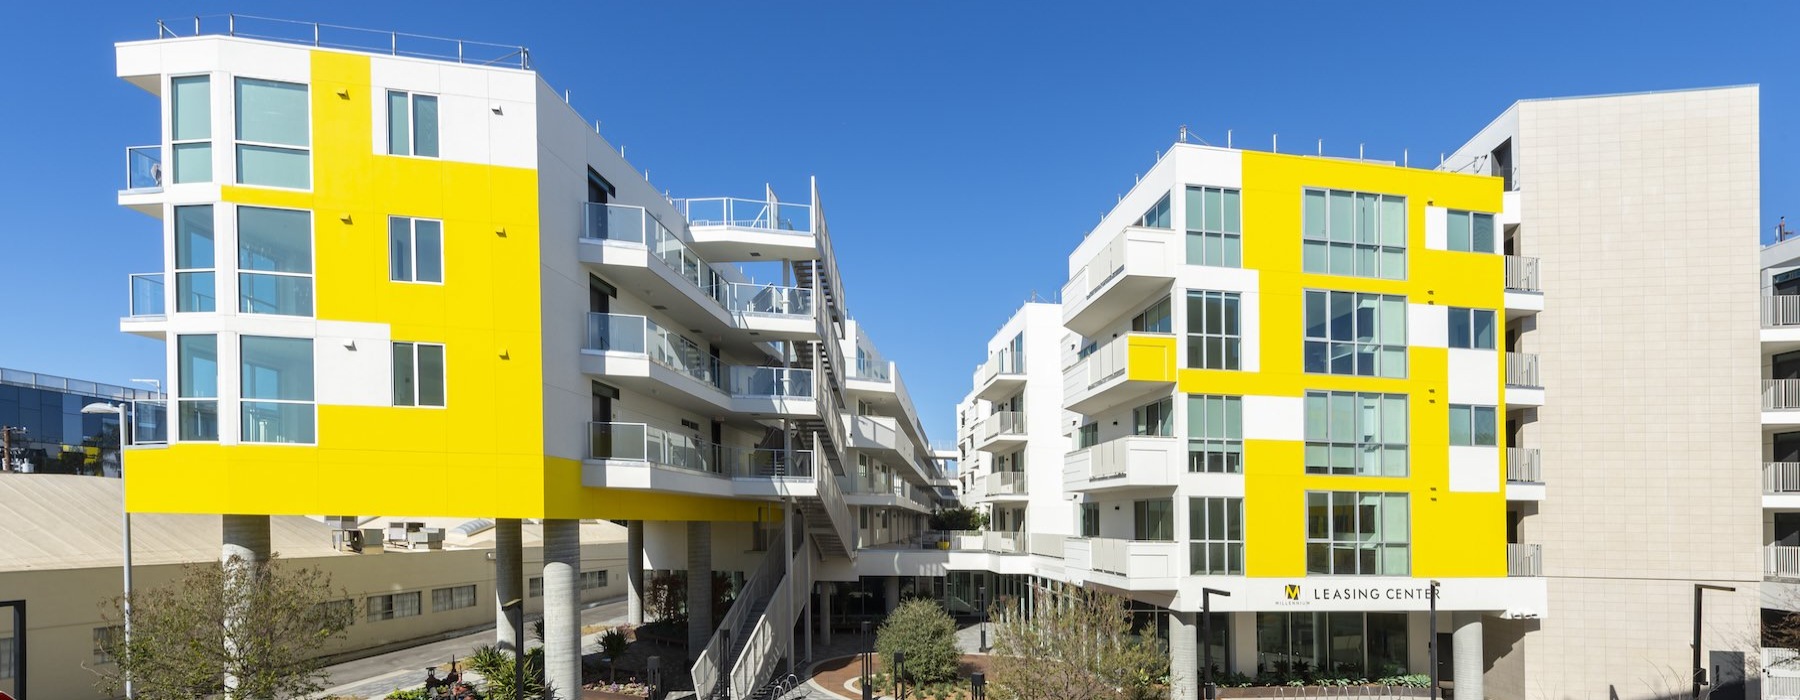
(708, 667)
(1524, 559)
(328, 36)
(1781, 561)
(768, 215)
(147, 295)
(1781, 310)
(1523, 465)
(143, 168)
(630, 333)
(1521, 274)
(770, 639)
(1780, 394)
(1002, 423)
(642, 442)
(831, 496)
(1002, 362)
(1522, 370)
(1781, 477)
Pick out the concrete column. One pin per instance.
(825, 593)
(634, 572)
(699, 587)
(807, 625)
(1243, 643)
(892, 592)
(244, 545)
(1184, 655)
(509, 584)
(562, 606)
(1466, 654)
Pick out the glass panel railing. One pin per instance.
(746, 462)
(874, 370)
(147, 294)
(638, 442)
(143, 168)
(149, 422)
(282, 295)
(748, 213)
(616, 441)
(616, 332)
(675, 352)
(615, 222)
(768, 299)
(777, 382)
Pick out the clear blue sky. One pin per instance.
(963, 148)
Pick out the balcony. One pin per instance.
(1523, 387)
(638, 455)
(1003, 431)
(147, 306)
(1134, 264)
(1002, 376)
(1780, 402)
(1005, 486)
(143, 179)
(1523, 295)
(729, 228)
(881, 434)
(636, 352)
(1781, 562)
(1781, 485)
(898, 495)
(1524, 474)
(1138, 461)
(1125, 368)
(1781, 323)
(1126, 564)
(1524, 559)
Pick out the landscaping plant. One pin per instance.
(926, 634)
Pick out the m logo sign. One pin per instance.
(1292, 590)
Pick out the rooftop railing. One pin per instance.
(780, 217)
(352, 38)
(143, 168)
(52, 382)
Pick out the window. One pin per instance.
(197, 377)
(415, 250)
(1213, 332)
(1090, 520)
(1355, 333)
(273, 133)
(1353, 233)
(412, 124)
(1371, 645)
(1216, 536)
(336, 610)
(453, 598)
(534, 588)
(1087, 436)
(1157, 216)
(275, 261)
(6, 658)
(1216, 434)
(190, 127)
(393, 606)
(1154, 418)
(1473, 426)
(1469, 231)
(105, 639)
(418, 374)
(194, 263)
(1351, 433)
(593, 579)
(277, 376)
(1353, 533)
(1155, 319)
(1153, 520)
(1214, 227)
(1472, 329)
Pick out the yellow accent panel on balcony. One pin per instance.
(1150, 358)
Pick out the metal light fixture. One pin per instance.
(124, 522)
(977, 686)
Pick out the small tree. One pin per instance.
(959, 518)
(182, 643)
(926, 634)
(1078, 645)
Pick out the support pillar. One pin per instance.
(807, 626)
(699, 587)
(825, 593)
(1184, 656)
(509, 571)
(562, 606)
(634, 572)
(244, 546)
(892, 593)
(1466, 654)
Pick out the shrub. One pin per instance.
(496, 668)
(613, 643)
(926, 634)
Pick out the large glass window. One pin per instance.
(1355, 333)
(1087, 436)
(197, 387)
(1155, 319)
(1156, 418)
(1214, 330)
(415, 250)
(190, 127)
(1469, 231)
(1472, 328)
(273, 134)
(194, 262)
(1370, 645)
(453, 598)
(1214, 227)
(418, 374)
(1216, 536)
(1473, 426)
(1153, 520)
(275, 261)
(1357, 533)
(412, 124)
(1090, 520)
(1353, 233)
(393, 606)
(277, 376)
(1216, 434)
(1158, 215)
(1352, 433)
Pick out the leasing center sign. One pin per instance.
(1374, 593)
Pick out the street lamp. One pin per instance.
(124, 523)
(1208, 690)
(981, 600)
(868, 686)
(1699, 670)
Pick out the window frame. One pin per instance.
(199, 399)
(1162, 411)
(312, 262)
(1466, 234)
(238, 143)
(1465, 318)
(417, 390)
(1231, 460)
(412, 122)
(1143, 518)
(1471, 421)
(1200, 536)
(103, 637)
(1226, 231)
(182, 273)
(412, 250)
(244, 402)
(1328, 240)
(1357, 445)
(1163, 210)
(1141, 321)
(1359, 537)
(1230, 335)
(390, 609)
(1327, 344)
(170, 171)
(451, 598)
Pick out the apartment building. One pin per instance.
(1005, 424)
(416, 280)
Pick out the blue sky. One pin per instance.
(963, 148)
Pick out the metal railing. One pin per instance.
(1781, 561)
(143, 168)
(1781, 310)
(768, 215)
(147, 295)
(634, 334)
(1522, 370)
(1523, 466)
(832, 499)
(770, 639)
(1781, 477)
(1007, 484)
(352, 38)
(1780, 687)
(1524, 559)
(771, 382)
(1521, 274)
(1780, 394)
(752, 299)
(710, 666)
(641, 442)
(1002, 423)
(52, 382)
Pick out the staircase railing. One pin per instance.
(709, 669)
(769, 641)
(832, 498)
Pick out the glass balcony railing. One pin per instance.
(616, 222)
(772, 382)
(768, 300)
(781, 217)
(147, 295)
(873, 369)
(143, 168)
(639, 335)
(640, 442)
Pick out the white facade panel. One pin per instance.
(1274, 418)
(1437, 228)
(1428, 325)
(353, 364)
(1474, 377)
(1474, 469)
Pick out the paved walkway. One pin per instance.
(376, 676)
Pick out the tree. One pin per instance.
(1076, 644)
(261, 624)
(959, 518)
(926, 634)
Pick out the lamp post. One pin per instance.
(977, 686)
(981, 600)
(1207, 689)
(899, 669)
(1432, 642)
(1700, 670)
(868, 686)
(124, 525)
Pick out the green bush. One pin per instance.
(926, 634)
(496, 668)
(413, 694)
(613, 643)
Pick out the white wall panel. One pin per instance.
(1474, 377)
(1474, 469)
